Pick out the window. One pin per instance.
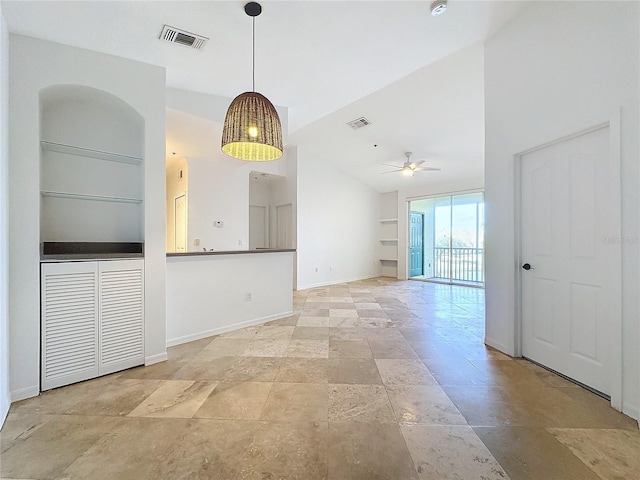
(447, 239)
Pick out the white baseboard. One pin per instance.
(498, 346)
(4, 410)
(336, 282)
(23, 393)
(631, 410)
(160, 357)
(171, 342)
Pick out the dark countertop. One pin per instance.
(230, 252)
(87, 257)
(85, 251)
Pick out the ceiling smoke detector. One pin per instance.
(438, 7)
(181, 37)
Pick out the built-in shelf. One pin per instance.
(88, 152)
(388, 240)
(82, 196)
(389, 260)
(388, 220)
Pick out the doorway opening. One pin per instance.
(270, 212)
(446, 239)
(180, 223)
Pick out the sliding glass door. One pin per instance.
(453, 238)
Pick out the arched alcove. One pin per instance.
(92, 175)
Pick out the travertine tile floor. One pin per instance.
(376, 379)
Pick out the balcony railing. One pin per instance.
(459, 264)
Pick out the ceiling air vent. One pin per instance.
(175, 35)
(359, 123)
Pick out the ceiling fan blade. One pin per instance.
(394, 166)
(421, 169)
(417, 164)
(392, 171)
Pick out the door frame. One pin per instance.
(277, 220)
(186, 229)
(614, 342)
(422, 246)
(267, 225)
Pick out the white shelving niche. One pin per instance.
(92, 168)
(388, 241)
(90, 195)
(91, 192)
(388, 236)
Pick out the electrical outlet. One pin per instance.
(196, 242)
(240, 242)
(316, 269)
(247, 296)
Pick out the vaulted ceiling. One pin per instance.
(416, 77)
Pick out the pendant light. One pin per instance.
(252, 129)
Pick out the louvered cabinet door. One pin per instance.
(69, 317)
(121, 318)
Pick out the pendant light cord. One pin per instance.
(254, 55)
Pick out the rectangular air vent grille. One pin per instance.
(181, 37)
(359, 123)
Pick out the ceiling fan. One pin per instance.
(409, 168)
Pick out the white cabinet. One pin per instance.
(92, 316)
(69, 316)
(120, 315)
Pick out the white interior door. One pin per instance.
(258, 227)
(568, 196)
(180, 223)
(284, 226)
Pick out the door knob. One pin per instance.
(526, 266)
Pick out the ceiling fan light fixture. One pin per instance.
(408, 168)
(252, 130)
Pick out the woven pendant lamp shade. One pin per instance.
(252, 129)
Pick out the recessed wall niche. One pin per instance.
(92, 167)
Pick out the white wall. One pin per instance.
(557, 69)
(285, 191)
(35, 65)
(219, 190)
(209, 293)
(5, 397)
(337, 225)
(259, 190)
